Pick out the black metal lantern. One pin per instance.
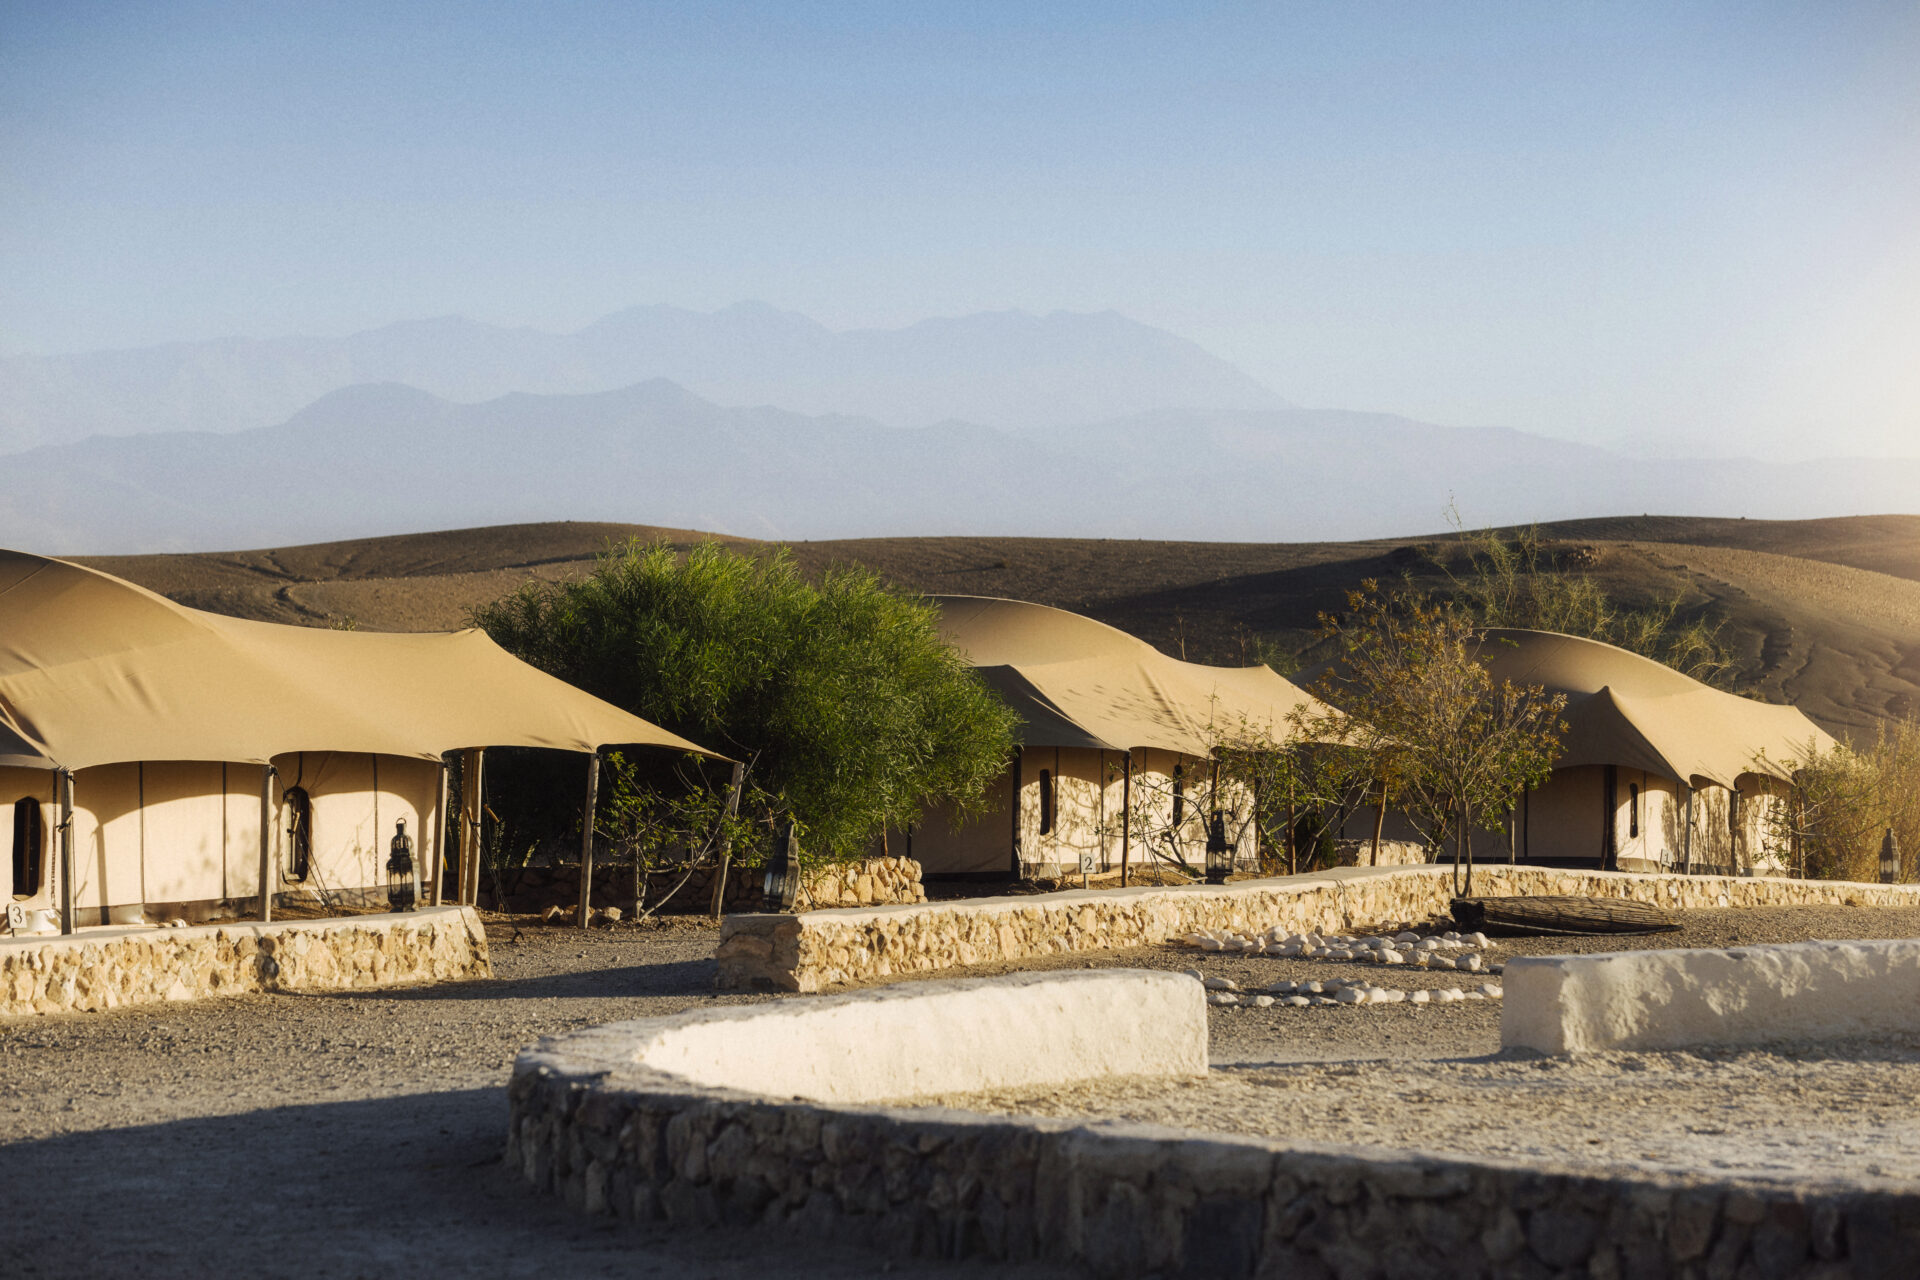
(1219, 851)
(782, 884)
(400, 890)
(1889, 858)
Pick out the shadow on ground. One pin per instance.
(409, 1185)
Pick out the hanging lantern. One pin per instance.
(1219, 851)
(1889, 858)
(400, 891)
(782, 884)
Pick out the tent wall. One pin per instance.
(166, 838)
(37, 786)
(1088, 789)
(356, 801)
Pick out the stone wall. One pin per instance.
(106, 968)
(824, 948)
(873, 881)
(632, 1142)
(1686, 998)
(1393, 853)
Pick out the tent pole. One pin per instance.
(1379, 824)
(473, 806)
(726, 840)
(1686, 867)
(586, 841)
(266, 843)
(63, 783)
(1015, 810)
(1126, 818)
(437, 868)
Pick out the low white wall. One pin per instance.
(1034, 1029)
(1679, 999)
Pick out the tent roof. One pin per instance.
(1079, 683)
(95, 670)
(1626, 709)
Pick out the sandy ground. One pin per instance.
(360, 1134)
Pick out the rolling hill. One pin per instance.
(1824, 613)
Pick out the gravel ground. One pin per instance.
(1835, 1114)
(352, 1135)
(343, 1135)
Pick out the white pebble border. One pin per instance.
(1405, 948)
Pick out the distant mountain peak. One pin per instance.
(1008, 369)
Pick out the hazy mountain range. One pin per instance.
(392, 458)
(1004, 369)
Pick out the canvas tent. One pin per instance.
(1656, 769)
(1109, 725)
(190, 751)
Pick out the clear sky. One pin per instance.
(1686, 225)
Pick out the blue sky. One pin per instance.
(1680, 225)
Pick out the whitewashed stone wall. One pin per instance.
(824, 948)
(108, 968)
(615, 1138)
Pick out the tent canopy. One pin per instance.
(1075, 682)
(95, 670)
(1625, 709)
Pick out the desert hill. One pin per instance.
(1824, 613)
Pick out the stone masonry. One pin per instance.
(820, 949)
(872, 882)
(107, 968)
(1125, 1201)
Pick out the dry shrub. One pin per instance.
(1847, 799)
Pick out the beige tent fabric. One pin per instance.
(94, 670)
(1080, 683)
(1625, 709)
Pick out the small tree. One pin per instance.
(847, 707)
(1409, 697)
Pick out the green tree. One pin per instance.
(1410, 703)
(848, 710)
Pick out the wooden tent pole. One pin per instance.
(734, 784)
(266, 843)
(1015, 807)
(1686, 866)
(585, 912)
(438, 865)
(63, 783)
(1379, 824)
(475, 802)
(1126, 817)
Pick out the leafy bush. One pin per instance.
(1845, 801)
(848, 710)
